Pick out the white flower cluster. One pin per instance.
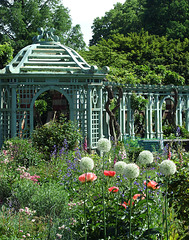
(145, 157)
(86, 163)
(104, 145)
(119, 167)
(131, 170)
(167, 167)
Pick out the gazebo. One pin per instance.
(47, 65)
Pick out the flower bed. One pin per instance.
(80, 196)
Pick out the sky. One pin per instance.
(83, 12)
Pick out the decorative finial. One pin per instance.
(46, 35)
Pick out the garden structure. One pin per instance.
(81, 92)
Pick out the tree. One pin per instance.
(75, 38)
(158, 17)
(114, 126)
(142, 58)
(123, 18)
(6, 54)
(20, 20)
(165, 17)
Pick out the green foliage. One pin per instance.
(132, 148)
(142, 58)
(179, 186)
(20, 20)
(138, 102)
(162, 17)
(123, 18)
(58, 198)
(169, 131)
(23, 151)
(49, 199)
(53, 134)
(41, 106)
(6, 54)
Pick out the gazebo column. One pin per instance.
(179, 112)
(157, 119)
(160, 121)
(150, 116)
(13, 111)
(123, 120)
(187, 112)
(130, 118)
(146, 122)
(89, 116)
(100, 105)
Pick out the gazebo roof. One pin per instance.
(50, 57)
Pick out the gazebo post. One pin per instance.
(13, 110)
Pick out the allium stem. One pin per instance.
(116, 215)
(85, 220)
(166, 222)
(130, 213)
(103, 199)
(147, 200)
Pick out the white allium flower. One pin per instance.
(119, 167)
(104, 145)
(86, 163)
(167, 167)
(131, 170)
(145, 157)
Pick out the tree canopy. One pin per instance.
(6, 54)
(158, 17)
(142, 58)
(20, 20)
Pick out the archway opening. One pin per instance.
(50, 105)
(168, 117)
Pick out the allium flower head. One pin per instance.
(145, 157)
(167, 167)
(86, 163)
(131, 170)
(104, 145)
(119, 167)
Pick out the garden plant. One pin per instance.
(77, 195)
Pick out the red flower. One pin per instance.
(152, 184)
(113, 189)
(109, 173)
(124, 204)
(88, 177)
(136, 196)
(169, 155)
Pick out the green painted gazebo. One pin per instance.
(47, 65)
(81, 91)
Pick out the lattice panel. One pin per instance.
(5, 125)
(95, 128)
(81, 111)
(25, 95)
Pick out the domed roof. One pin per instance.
(50, 57)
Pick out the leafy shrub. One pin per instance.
(179, 186)
(169, 130)
(47, 199)
(52, 135)
(132, 149)
(23, 152)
